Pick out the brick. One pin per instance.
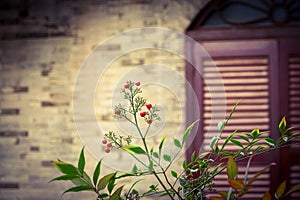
(47, 104)
(9, 111)
(9, 185)
(13, 133)
(46, 163)
(34, 148)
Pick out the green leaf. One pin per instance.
(236, 184)
(134, 149)
(282, 126)
(216, 169)
(232, 169)
(285, 138)
(293, 189)
(104, 181)
(155, 154)
(258, 174)
(111, 185)
(227, 140)
(202, 155)
(82, 180)
(187, 132)
(267, 196)
(150, 167)
(174, 174)
(65, 168)
(280, 190)
(243, 138)
(125, 175)
(97, 172)
(270, 141)
(161, 144)
(260, 147)
(167, 157)
(214, 141)
(237, 143)
(255, 133)
(217, 150)
(64, 178)
(227, 153)
(81, 161)
(193, 157)
(220, 126)
(177, 143)
(184, 165)
(116, 195)
(151, 150)
(78, 189)
(230, 115)
(134, 169)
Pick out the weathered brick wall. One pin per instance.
(43, 44)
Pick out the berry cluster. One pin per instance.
(146, 114)
(131, 91)
(108, 145)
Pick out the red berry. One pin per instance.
(126, 85)
(149, 121)
(104, 141)
(138, 83)
(149, 105)
(107, 150)
(117, 112)
(109, 145)
(143, 114)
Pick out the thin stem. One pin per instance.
(169, 165)
(91, 185)
(138, 159)
(247, 170)
(147, 130)
(166, 178)
(129, 120)
(162, 184)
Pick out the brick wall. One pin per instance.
(43, 44)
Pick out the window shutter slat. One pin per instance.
(244, 77)
(294, 91)
(240, 77)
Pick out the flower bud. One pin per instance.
(126, 85)
(109, 145)
(104, 141)
(107, 150)
(138, 83)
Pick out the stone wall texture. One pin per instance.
(43, 43)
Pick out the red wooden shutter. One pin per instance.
(249, 71)
(290, 93)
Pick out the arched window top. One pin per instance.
(227, 13)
